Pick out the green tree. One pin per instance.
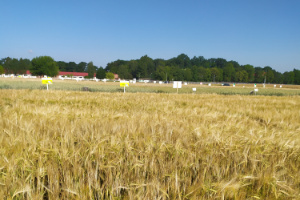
(145, 67)
(198, 61)
(101, 74)
(110, 75)
(1, 69)
(229, 72)
(296, 76)
(71, 67)
(250, 70)
(187, 74)
(123, 72)
(91, 70)
(11, 66)
(195, 73)
(182, 61)
(278, 77)
(160, 73)
(62, 65)
(133, 65)
(81, 67)
(269, 74)
(221, 63)
(44, 65)
(259, 75)
(24, 65)
(177, 73)
(202, 73)
(242, 76)
(288, 77)
(207, 75)
(216, 74)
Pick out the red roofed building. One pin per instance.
(73, 75)
(70, 75)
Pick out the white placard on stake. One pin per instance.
(177, 84)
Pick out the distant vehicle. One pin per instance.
(226, 84)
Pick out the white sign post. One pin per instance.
(255, 90)
(177, 84)
(194, 90)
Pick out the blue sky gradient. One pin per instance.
(257, 32)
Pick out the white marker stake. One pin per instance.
(194, 90)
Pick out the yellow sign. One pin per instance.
(47, 81)
(124, 84)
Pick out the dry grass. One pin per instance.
(76, 145)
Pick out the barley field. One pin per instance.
(216, 88)
(60, 144)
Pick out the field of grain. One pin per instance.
(91, 145)
(216, 88)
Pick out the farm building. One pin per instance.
(61, 75)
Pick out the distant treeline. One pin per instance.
(181, 68)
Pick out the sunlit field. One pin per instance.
(60, 144)
(72, 85)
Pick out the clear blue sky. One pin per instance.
(257, 32)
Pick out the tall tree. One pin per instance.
(296, 76)
(250, 71)
(242, 76)
(71, 67)
(216, 74)
(259, 75)
(289, 77)
(62, 65)
(198, 61)
(229, 72)
(81, 67)
(221, 63)
(101, 73)
(24, 65)
(183, 61)
(91, 69)
(187, 74)
(44, 65)
(1, 69)
(123, 72)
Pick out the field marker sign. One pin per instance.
(47, 81)
(124, 84)
(177, 84)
